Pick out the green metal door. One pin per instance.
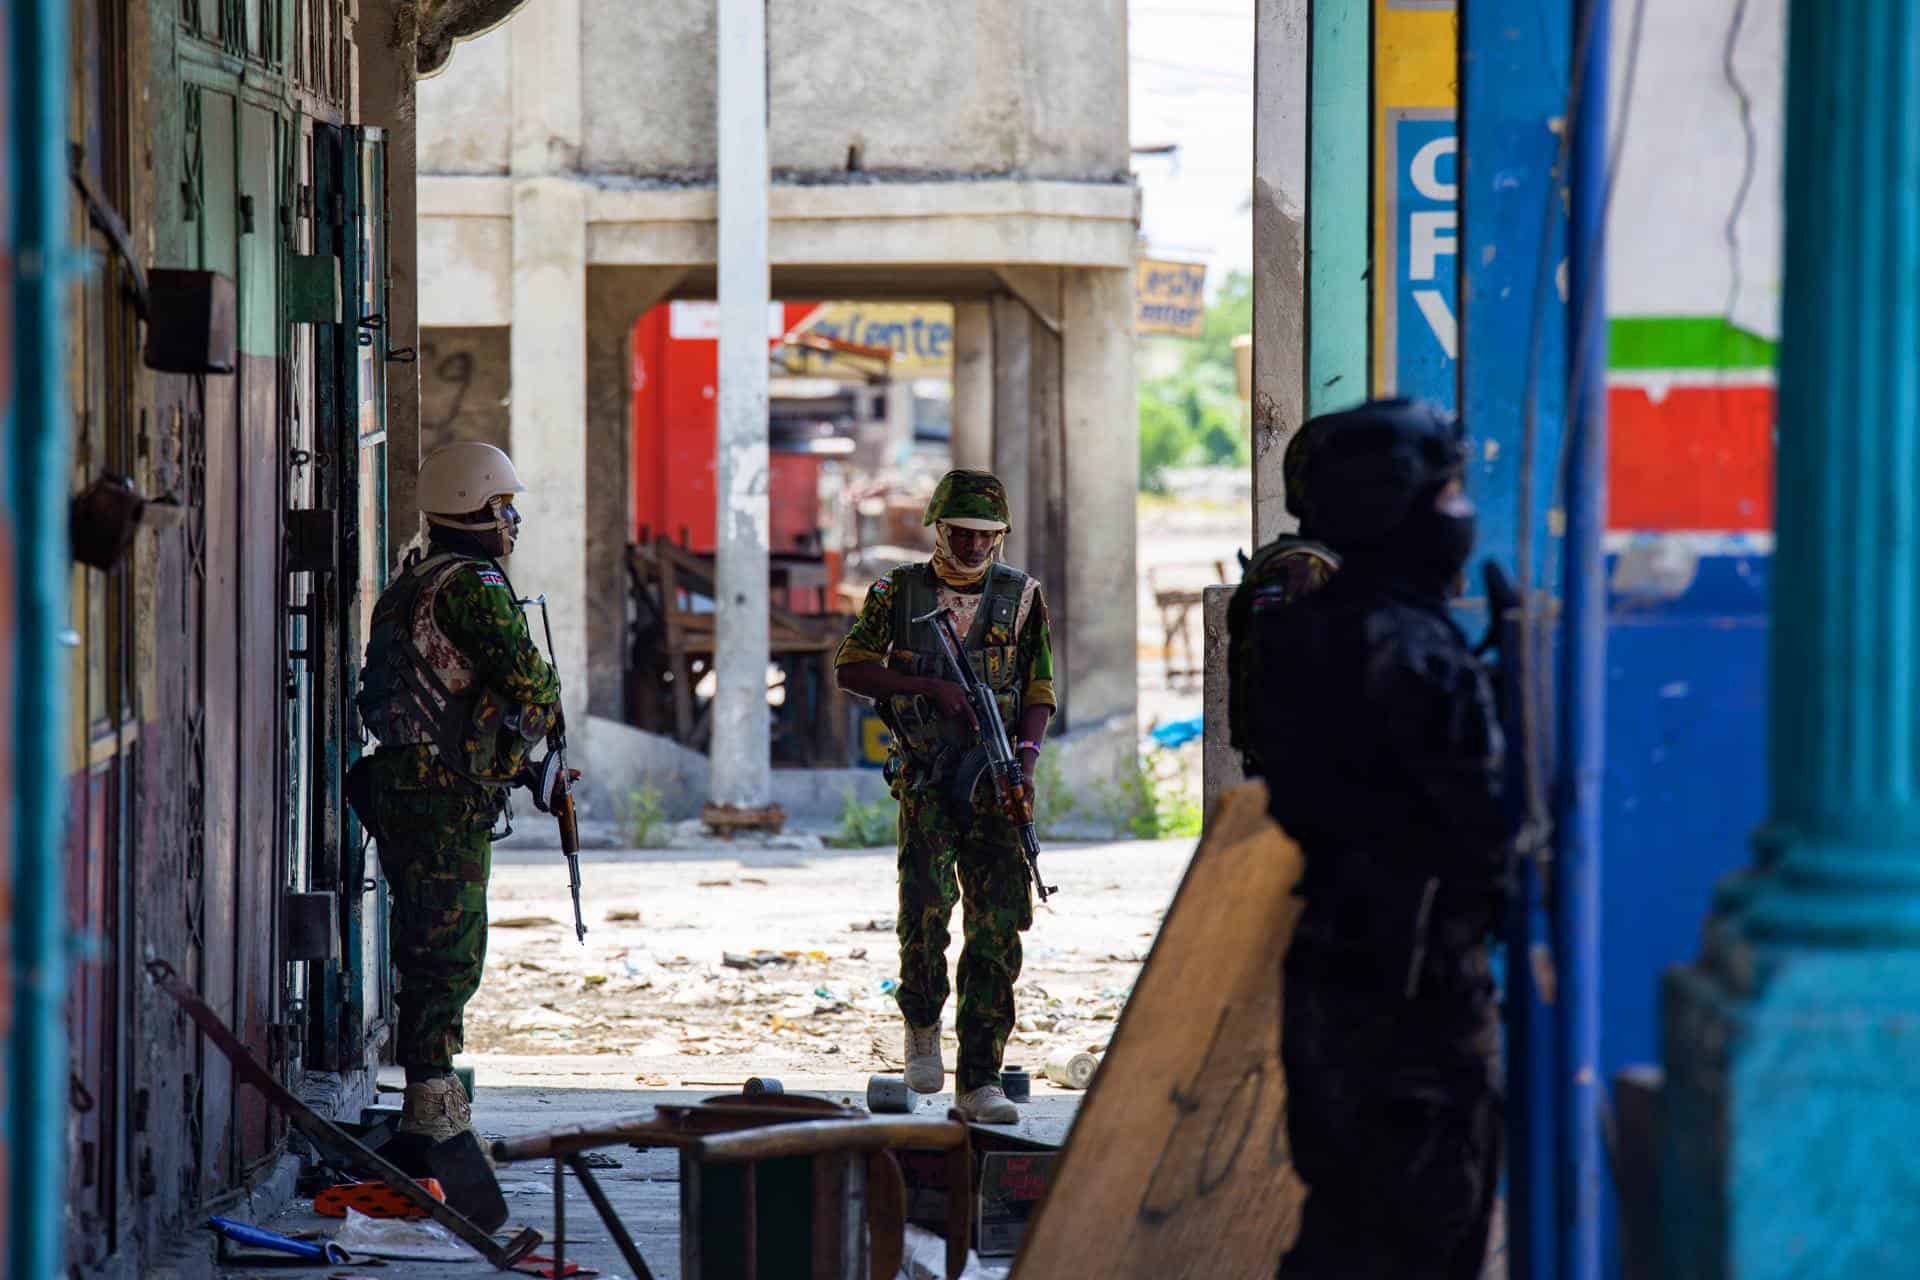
(352, 998)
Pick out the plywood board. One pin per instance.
(1178, 1163)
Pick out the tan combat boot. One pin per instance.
(926, 1073)
(987, 1105)
(437, 1109)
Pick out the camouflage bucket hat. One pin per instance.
(970, 499)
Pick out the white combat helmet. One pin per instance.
(459, 478)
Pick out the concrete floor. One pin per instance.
(644, 1189)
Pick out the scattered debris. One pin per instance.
(858, 953)
(758, 960)
(871, 926)
(399, 1240)
(521, 922)
(623, 915)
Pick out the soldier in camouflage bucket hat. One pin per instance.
(437, 787)
(971, 858)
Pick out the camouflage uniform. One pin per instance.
(944, 857)
(435, 823)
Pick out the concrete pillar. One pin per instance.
(899, 419)
(1279, 251)
(1101, 458)
(548, 416)
(1793, 1074)
(973, 385)
(742, 729)
(1047, 515)
(1012, 326)
(387, 39)
(616, 299)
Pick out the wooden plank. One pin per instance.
(1178, 1163)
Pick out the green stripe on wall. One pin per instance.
(1338, 183)
(1685, 342)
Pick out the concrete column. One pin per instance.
(1793, 1074)
(899, 411)
(386, 39)
(742, 729)
(1012, 326)
(1046, 516)
(548, 415)
(616, 299)
(973, 385)
(1101, 460)
(1279, 251)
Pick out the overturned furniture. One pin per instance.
(671, 646)
(772, 1186)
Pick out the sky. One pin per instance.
(1191, 83)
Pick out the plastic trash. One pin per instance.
(261, 1238)
(889, 985)
(1177, 733)
(400, 1240)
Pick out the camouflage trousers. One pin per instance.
(437, 858)
(980, 868)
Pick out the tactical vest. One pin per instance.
(921, 734)
(1285, 570)
(416, 687)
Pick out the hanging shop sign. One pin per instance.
(1169, 298)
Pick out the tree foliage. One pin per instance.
(1193, 416)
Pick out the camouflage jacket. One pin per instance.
(516, 691)
(871, 637)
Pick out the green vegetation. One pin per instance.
(1192, 416)
(645, 817)
(1053, 803)
(1154, 799)
(866, 826)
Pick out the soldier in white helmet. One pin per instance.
(456, 694)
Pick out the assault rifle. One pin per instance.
(552, 783)
(992, 754)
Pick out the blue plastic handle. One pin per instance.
(261, 1238)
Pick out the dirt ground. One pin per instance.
(705, 967)
(653, 1000)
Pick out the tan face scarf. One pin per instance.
(948, 566)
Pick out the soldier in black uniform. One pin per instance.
(1382, 753)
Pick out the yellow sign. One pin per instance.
(1416, 149)
(920, 335)
(1170, 298)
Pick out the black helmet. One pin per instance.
(1364, 467)
(1293, 468)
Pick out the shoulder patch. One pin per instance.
(490, 576)
(882, 584)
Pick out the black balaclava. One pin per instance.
(484, 543)
(1430, 548)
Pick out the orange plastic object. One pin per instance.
(375, 1199)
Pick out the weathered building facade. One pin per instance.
(975, 154)
(187, 746)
